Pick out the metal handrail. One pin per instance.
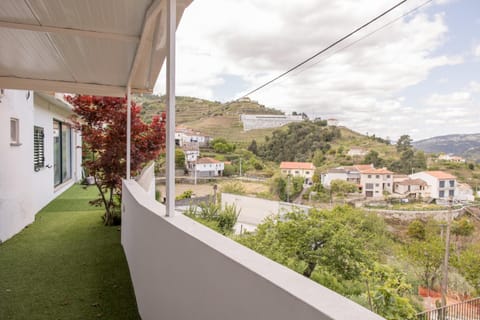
(466, 310)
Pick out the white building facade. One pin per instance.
(305, 170)
(263, 121)
(41, 156)
(185, 136)
(209, 167)
(375, 182)
(442, 185)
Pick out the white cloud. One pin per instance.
(453, 99)
(257, 40)
(476, 51)
(474, 86)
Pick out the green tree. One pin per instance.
(374, 158)
(389, 293)
(221, 145)
(404, 143)
(318, 158)
(469, 265)
(416, 230)
(179, 159)
(253, 147)
(341, 187)
(427, 256)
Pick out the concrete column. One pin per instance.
(170, 172)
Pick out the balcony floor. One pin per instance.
(66, 265)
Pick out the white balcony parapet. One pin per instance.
(182, 270)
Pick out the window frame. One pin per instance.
(15, 132)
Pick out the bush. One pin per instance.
(228, 170)
(235, 187)
(213, 216)
(185, 195)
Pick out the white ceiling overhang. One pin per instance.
(97, 47)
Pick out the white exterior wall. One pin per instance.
(180, 269)
(434, 185)
(24, 192)
(262, 121)
(328, 177)
(307, 174)
(384, 182)
(16, 164)
(204, 169)
(192, 155)
(431, 181)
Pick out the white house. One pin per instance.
(451, 158)
(41, 157)
(192, 153)
(332, 122)
(407, 187)
(209, 167)
(442, 184)
(263, 121)
(305, 170)
(357, 152)
(348, 173)
(186, 135)
(375, 182)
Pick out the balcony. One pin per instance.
(180, 269)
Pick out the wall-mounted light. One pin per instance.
(27, 95)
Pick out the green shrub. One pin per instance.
(235, 187)
(185, 195)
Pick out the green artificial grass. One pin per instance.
(66, 265)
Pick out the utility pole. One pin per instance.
(195, 172)
(446, 258)
(240, 167)
(288, 188)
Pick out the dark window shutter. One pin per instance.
(38, 148)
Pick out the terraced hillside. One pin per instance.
(209, 117)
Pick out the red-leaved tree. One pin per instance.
(102, 121)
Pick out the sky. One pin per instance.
(417, 75)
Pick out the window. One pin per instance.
(442, 184)
(377, 185)
(38, 148)
(369, 176)
(452, 183)
(62, 157)
(377, 176)
(307, 172)
(451, 193)
(441, 194)
(369, 186)
(297, 172)
(388, 184)
(388, 176)
(14, 132)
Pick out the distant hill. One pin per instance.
(210, 117)
(464, 145)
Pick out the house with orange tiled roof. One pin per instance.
(298, 169)
(411, 188)
(375, 182)
(441, 184)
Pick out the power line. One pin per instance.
(325, 49)
(365, 36)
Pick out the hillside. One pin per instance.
(210, 117)
(464, 145)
